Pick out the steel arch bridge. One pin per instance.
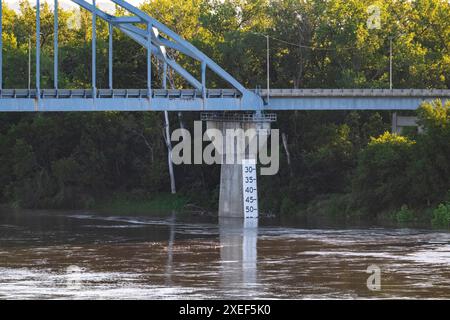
(156, 38)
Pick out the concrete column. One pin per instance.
(394, 123)
(231, 204)
(230, 199)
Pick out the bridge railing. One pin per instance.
(238, 117)
(329, 93)
(118, 93)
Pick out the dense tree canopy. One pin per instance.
(70, 160)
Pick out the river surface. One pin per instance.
(84, 255)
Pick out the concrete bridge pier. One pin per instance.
(400, 122)
(231, 198)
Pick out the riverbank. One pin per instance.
(342, 210)
(129, 203)
(140, 205)
(318, 215)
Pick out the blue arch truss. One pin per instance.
(156, 38)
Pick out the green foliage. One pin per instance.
(381, 175)
(404, 215)
(288, 207)
(394, 170)
(441, 216)
(431, 168)
(335, 208)
(136, 203)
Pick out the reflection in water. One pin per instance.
(171, 221)
(238, 252)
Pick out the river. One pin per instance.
(84, 255)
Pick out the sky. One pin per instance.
(105, 5)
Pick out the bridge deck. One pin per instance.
(395, 93)
(15, 100)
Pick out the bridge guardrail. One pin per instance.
(118, 93)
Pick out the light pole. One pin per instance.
(38, 49)
(391, 57)
(29, 63)
(268, 68)
(390, 63)
(299, 19)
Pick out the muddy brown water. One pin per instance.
(84, 255)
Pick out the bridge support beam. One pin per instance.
(231, 198)
(399, 122)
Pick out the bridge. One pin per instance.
(46, 100)
(159, 40)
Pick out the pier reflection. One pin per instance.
(170, 245)
(238, 240)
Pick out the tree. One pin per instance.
(381, 179)
(431, 169)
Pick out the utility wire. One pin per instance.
(302, 46)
